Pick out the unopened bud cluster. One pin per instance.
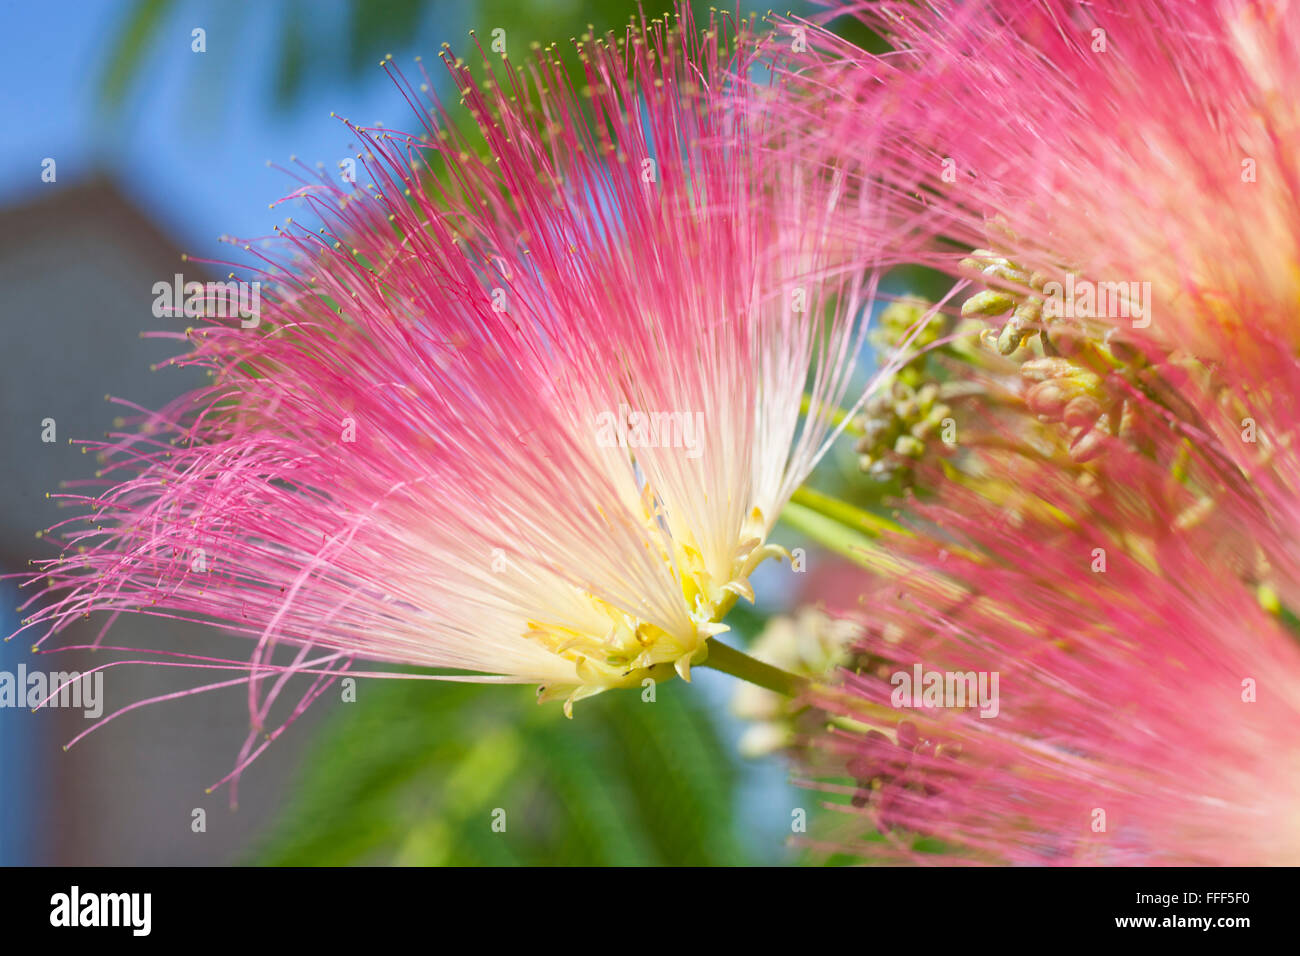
(1070, 367)
(907, 410)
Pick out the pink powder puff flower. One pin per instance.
(1089, 663)
(531, 418)
(1128, 176)
(1141, 154)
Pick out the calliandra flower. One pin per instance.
(1138, 610)
(530, 416)
(1112, 536)
(1109, 529)
(1112, 144)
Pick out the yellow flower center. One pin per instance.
(631, 650)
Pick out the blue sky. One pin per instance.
(191, 142)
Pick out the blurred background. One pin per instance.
(126, 145)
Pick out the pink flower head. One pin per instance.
(1091, 663)
(1109, 554)
(1117, 143)
(529, 415)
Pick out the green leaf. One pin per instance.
(414, 772)
(124, 62)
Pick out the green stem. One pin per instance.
(731, 661)
(842, 512)
(841, 539)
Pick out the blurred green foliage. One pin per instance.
(370, 30)
(374, 28)
(412, 773)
